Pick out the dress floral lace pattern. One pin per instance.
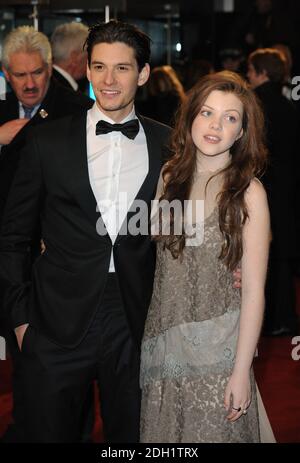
(189, 344)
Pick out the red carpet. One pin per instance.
(277, 374)
(278, 378)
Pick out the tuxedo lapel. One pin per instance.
(155, 162)
(47, 107)
(148, 187)
(80, 176)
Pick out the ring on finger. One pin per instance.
(237, 409)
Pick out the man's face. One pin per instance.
(115, 77)
(29, 77)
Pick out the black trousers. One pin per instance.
(280, 296)
(56, 381)
(15, 433)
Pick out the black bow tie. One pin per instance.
(130, 128)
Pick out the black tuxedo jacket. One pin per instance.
(58, 102)
(61, 79)
(64, 291)
(83, 83)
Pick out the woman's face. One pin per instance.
(218, 124)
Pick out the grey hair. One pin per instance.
(26, 39)
(66, 38)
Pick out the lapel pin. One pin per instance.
(43, 113)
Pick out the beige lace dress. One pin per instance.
(190, 338)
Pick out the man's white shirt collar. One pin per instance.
(22, 112)
(67, 76)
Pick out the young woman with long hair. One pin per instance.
(201, 333)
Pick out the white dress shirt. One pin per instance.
(22, 113)
(117, 168)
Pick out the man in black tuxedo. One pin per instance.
(79, 312)
(33, 101)
(69, 56)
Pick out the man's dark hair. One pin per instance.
(117, 31)
(271, 61)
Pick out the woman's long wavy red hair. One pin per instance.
(248, 159)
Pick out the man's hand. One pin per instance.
(237, 278)
(20, 331)
(9, 130)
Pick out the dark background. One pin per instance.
(202, 27)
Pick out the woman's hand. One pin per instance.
(43, 247)
(237, 396)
